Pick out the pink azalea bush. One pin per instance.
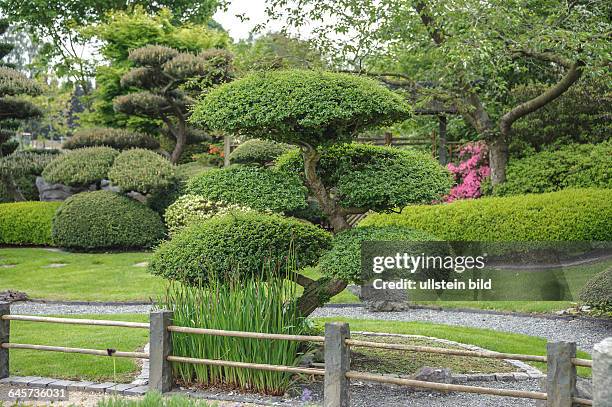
(470, 173)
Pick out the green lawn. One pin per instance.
(76, 366)
(73, 366)
(84, 276)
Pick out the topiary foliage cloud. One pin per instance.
(299, 106)
(120, 139)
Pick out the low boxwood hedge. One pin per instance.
(255, 187)
(259, 152)
(105, 220)
(142, 170)
(81, 167)
(571, 214)
(120, 139)
(243, 243)
(597, 292)
(27, 223)
(573, 166)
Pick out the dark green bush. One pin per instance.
(300, 105)
(255, 187)
(81, 167)
(241, 242)
(258, 152)
(142, 170)
(573, 166)
(374, 177)
(105, 220)
(571, 214)
(343, 261)
(597, 292)
(22, 167)
(27, 223)
(120, 139)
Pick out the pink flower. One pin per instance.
(470, 173)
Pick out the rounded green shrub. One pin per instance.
(189, 209)
(142, 170)
(259, 152)
(255, 187)
(243, 243)
(299, 105)
(597, 292)
(27, 223)
(81, 167)
(22, 167)
(343, 261)
(572, 166)
(102, 220)
(571, 214)
(120, 139)
(375, 177)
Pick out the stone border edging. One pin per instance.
(527, 371)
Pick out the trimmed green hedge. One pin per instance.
(81, 167)
(142, 170)
(22, 167)
(255, 187)
(260, 152)
(105, 220)
(597, 292)
(573, 166)
(27, 223)
(375, 177)
(343, 261)
(244, 243)
(571, 214)
(121, 139)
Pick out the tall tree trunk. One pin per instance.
(318, 293)
(498, 159)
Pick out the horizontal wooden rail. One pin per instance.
(445, 351)
(445, 387)
(257, 366)
(76, 321)
(97, 352)
(241, 334)
(582, 362)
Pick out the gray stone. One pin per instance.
(136, 391)
(25, 379)
(56, 192)
(337, 363)
(82, 385)
(386, 306)
(160, 342)
(60, 384)
(389, 300)
(505, 377)
(431, 374)
(100, 387)
(460, 378)
(561, 374)
(602, 373)
(137, 196)
(107, 186)
(120, 388)
(41, 382)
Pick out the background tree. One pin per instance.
(318, 112)
(57, 25)
(474, 51)
(168, 81)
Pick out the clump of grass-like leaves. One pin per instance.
(253, 305)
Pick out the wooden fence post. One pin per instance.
(5, 326)
(602, 373)
(227, 149)
(337, 363)
(160, 347)
(561, 376)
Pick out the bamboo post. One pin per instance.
(602, 373)
(5, 326)
(337, 363)
(160, 347)
(561, 375)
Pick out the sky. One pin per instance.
(254, 10)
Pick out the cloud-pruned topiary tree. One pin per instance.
(120, 139)
(320, 112)
(165, 83)
(12, 85)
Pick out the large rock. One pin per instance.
(387, 300)
(56, 192)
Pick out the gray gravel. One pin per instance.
(585, 332)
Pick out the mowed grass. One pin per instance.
(99, 368)
(54, 275)
(77, 366)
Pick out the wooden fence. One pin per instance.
(560, 381)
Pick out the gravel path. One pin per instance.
(585, 332)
